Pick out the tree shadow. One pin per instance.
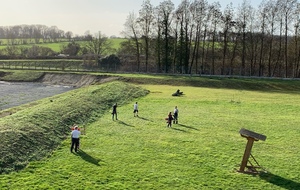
(123, 123)
(88, 158)
(279, 181)
(188, 127)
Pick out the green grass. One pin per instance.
(57, 46)
(202, 152)
(37, 128)
(54, 46)
(116, 42)
(22, 76)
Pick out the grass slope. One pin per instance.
(30, 133)
(266, 85)
(202, 152)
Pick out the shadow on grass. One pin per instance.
(123, 123)
(280, 181)
(88, 158)
(143, 118)
(188, 127)
(178, 129)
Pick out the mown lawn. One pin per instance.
(203, 151)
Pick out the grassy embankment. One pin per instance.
(29, 134)
(202, 152)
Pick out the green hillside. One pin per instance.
(115, 42)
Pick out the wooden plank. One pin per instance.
(246, 154)
(257, 136)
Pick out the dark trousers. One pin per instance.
(175, 118)
(113, 115)
(75, 142)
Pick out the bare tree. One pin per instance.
(215, 17)
(132, 31)
(263, 16)
(98, 46)
(289, 9)
(227, 21)
(145, 22)
(296, 67)
(243, 19)
(165, 11)
(183, 15)
(69, 35)
(199, 19)
(271, 17)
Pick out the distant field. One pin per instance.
(57, 46)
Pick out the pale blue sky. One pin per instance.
(78, 16)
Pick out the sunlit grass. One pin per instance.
(57, 46)
(203, 151)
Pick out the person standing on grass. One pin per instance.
(135, 110)
(169, 121)
(175, 115)
(114, 111)
(75, 134)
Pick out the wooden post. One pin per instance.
(247, 153)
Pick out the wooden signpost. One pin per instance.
(251, 137)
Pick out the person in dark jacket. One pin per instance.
(169, 120)
(114, 111)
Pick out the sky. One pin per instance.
(80, 16)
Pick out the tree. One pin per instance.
(243, 17)
(145, 22)
(132, 31)
(215, 15)
(111, 62)
(185, 35)
(69, 35)
(272, 11)
(126, 53)
(36, 51)
(263, 16)
(200, 18)
(227, 21)
(71, 49)
(98, 46)
(296, 67)
(289, 9)
(165, 10)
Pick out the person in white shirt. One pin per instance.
(75, 134)
(135, 109)
(175, 115)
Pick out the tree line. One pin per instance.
(27, 34)
(196, 37)
(200, 38)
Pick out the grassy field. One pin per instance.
(203, 151)
(57, 46)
